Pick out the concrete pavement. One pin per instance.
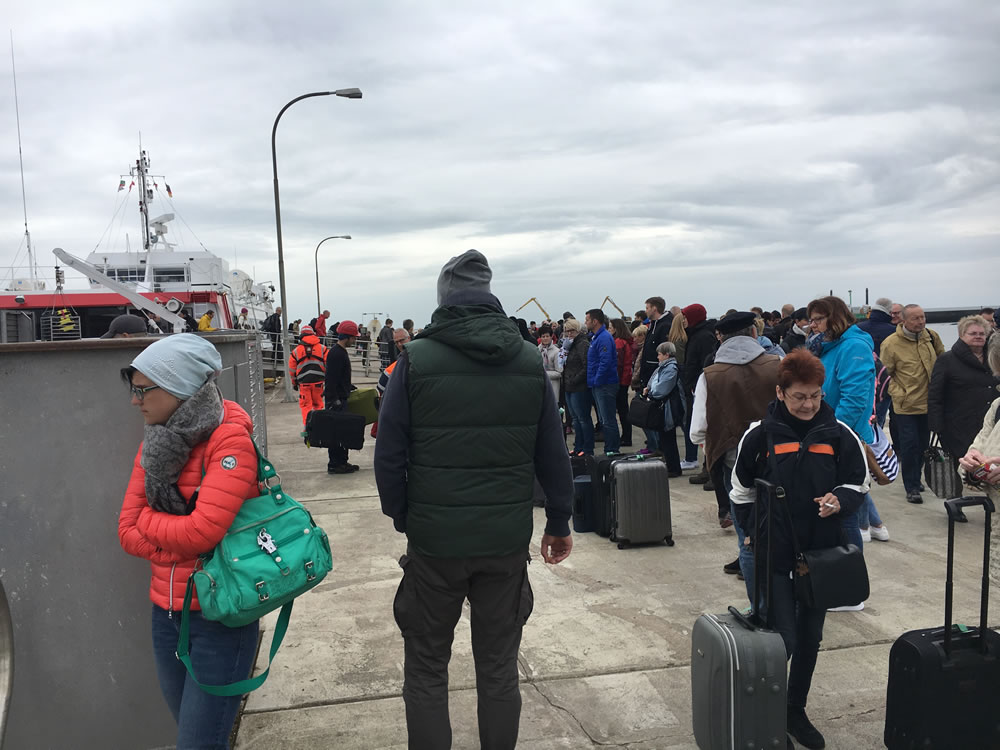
(605, 656)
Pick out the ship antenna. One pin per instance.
(32, 267)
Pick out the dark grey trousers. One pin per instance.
(427, 607)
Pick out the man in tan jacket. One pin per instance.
(909, 355)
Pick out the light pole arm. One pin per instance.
(319, 309)
(352, 93)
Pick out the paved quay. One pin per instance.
(605, 657)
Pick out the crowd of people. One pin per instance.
(800, 398)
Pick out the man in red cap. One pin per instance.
(338, 388)
(307, 369)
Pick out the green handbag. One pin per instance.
(362, 401)
(272, 553)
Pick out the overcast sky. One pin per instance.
(728, 153)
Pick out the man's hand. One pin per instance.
(555, 549)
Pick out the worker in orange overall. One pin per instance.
(307, 369)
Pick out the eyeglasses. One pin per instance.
(801, 398)
(140, 392)
(817, 319)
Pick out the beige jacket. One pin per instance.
(910, 363)
(987, 442)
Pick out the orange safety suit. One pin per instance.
(307, 368)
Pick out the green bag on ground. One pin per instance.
(272, 553)
(362, 401)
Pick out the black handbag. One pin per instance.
(646, 412)
(824, 578)
(833, 577)
(940, 472)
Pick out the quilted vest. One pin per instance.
(475, 390)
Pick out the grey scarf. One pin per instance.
(166, 447)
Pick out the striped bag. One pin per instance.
(883, 464)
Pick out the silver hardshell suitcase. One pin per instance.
(738, 677)
(640, 501)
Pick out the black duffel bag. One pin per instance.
(646, 412)
(832, 577)
(326, 429)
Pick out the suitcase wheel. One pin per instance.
(623, 544)
(669, 541)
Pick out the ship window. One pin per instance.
(170, 275)
(126, 274)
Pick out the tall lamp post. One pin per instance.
(347, 94)
(319, 310)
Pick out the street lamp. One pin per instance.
(352, 93)
(319, 310)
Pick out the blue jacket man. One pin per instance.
(879, 324)
(602, 377)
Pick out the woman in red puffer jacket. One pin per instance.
(194, 469)
(626, 358)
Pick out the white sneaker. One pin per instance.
(866, 535)
(848, 608)
(685, 465)
(879, 532)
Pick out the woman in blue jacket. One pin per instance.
(847, 353)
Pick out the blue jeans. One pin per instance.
(914, 437)
(220, 655)
(605, 398)
(851, 526)
(801, 629)
(868, 514)
(652, 439)
(583, 428)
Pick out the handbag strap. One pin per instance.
(233, 688)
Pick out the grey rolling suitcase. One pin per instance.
(640, 501)
(738, 677)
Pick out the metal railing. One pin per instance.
(371, 357)
(6, 660)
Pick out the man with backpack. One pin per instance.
(307, 369)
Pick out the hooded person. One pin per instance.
(466, 423)
(194, 469)
(732, 393)
(126, 326)
(307, 369)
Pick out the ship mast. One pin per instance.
(32, 268)
(145, 193)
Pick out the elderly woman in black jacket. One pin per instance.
(574, 350)
(962, 388)
(821, 465)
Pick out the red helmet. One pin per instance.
(348, 327)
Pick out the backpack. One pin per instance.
(882, 380)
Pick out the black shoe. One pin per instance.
(961, 517)
(709, 486)
(673, 474)
(342, 469)
(699, 478)
(914, 497)
(922, 488)
(732, 568)
(803, 730)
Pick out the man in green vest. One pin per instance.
(467, 422)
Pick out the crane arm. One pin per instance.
(116, 286)
(608, 299)
(538, 305)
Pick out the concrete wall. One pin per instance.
(84, 674)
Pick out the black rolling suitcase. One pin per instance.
(583, 505)
(640, 501)
(600, 490)
(738, 677)
(944, 683)
(325, 429)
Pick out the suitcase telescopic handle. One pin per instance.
(953, 508)
(774, 494)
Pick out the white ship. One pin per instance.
(181, 279)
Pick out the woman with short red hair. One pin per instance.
(800, 446)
